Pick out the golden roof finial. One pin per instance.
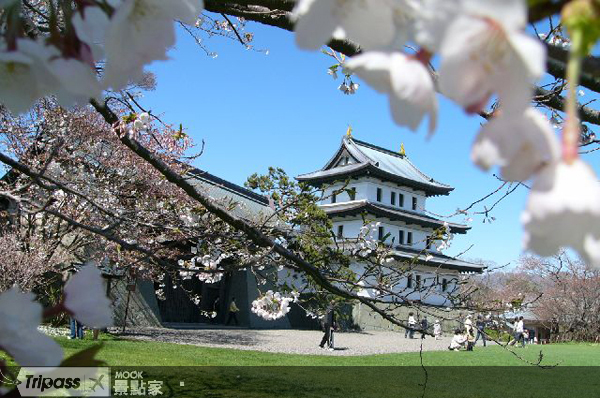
(402, 151)
(349, 132)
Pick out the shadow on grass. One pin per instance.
(367, 382)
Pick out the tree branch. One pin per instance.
(268, 12)
(556, 101)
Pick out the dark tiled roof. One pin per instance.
(379, 162)
(410, 217)
(227, 186)
(437, 260)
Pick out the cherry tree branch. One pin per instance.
(554, 100)
(253, 233)
(277, 13)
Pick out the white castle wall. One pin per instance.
(430, 290)
(366, 188)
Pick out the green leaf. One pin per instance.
(582, 19)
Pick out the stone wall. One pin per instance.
(143, 308)
(367, 319)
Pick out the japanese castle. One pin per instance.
(364, 181)
(368, 180)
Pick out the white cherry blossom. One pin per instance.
(85, 297)
(272, 305)
(433, 19)
(486, 52)
(520, 144)
(140, 32)
(19, 86)
(91, 29)
(77, 82)
(144, 118)
(406, 81)
(35, 70)
(25, 76)
(19, 334)
(563, 210)
(374, 24)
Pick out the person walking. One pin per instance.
(513, 326)
(233, 310)
(470, 333)
(328, 327)
(480, 325)
(437, 329)
(424, 326)
(532, 339)
(412, 323)
(519, 332)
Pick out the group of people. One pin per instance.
(468, 336)
(520, 334)
(421, 326)
(77, 331)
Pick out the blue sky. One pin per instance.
(255, 110)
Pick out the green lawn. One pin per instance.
(227, 373)
(118, 352)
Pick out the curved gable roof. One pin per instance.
(373, 160)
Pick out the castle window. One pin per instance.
(409, 238)
(352, 193)
(414, 203)
(409, 280)
(393, 198)
(333, 198)
(381, 234)
(444, 285)
(340, 231)
(417, 281)
(400, 200)
(401, 237)
(379, 194)
(429, 242)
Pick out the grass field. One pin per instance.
(117, 352)
(227, 373)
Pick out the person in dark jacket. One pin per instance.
(480, 325)
(424, 326)
(328, 327)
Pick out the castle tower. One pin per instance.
(388, 188)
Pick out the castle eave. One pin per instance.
(358, 207)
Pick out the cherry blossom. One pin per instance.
(434, 18)
(144, 118)
(140, 32)
(36, 70)
(519, 143)
(272, 305)
(24, 75)
(77, 81)
(406, 81)
(86, 299)
(18, 82)
(19, 334)
(486, 52)
(563, 210)
(91, 29)
(372, 23)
